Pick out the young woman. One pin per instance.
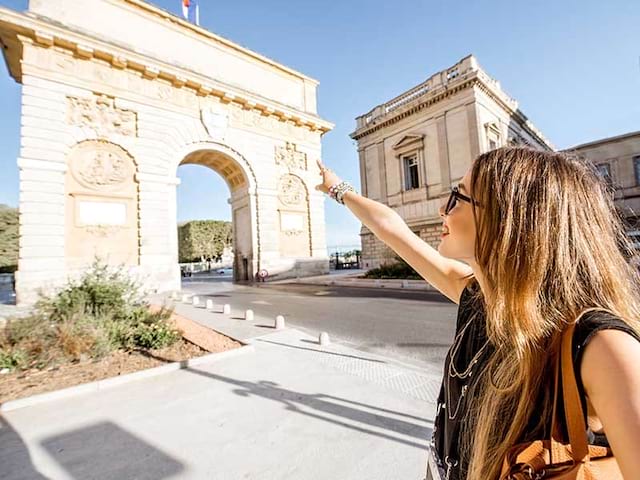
(530, 239)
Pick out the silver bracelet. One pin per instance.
(343, 188)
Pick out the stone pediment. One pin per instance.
(409, 142)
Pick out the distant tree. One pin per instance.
(201, 240)
(8, 238)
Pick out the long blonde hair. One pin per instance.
(549, 243)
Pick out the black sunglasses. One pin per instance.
(453, 200)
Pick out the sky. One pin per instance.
(573, 66)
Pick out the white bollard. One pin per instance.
(248, 315)
(209, 304)
(195, 301)
(226, 309)
(279, 322)
(174, 295)
(185, 298)
(324, 339)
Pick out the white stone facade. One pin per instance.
(413, 148)
(618, 161)
(174, 94)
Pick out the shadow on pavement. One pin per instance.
(15, 460)
(319, 406)
(106, 451)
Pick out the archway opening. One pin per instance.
(213, 219)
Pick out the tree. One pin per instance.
(8, 238)
(200, 240)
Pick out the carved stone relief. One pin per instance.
(100, 165)
(101, 114)
(215, 119)
(102, 231)
(290, 157)
(292, 191)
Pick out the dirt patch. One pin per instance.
(31, 382)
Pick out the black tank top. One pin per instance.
(467, 356)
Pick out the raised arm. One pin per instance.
(447, 275)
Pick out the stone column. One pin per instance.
(382, 170)
(44, 144)
(443, 152)
(474, 132)
(158, 231)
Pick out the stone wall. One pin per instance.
(376, 253)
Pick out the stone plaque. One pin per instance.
(291, 221)
(101, 213)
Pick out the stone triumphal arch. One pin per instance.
(116, 95)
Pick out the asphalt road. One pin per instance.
(413, 327)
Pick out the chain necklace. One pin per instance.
(466, 373)
(452, 371)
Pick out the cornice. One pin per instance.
(604, 141)
(413, 107)
(428, 99)
(517, 113)
(82, 46)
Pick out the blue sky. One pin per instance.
(574, 67)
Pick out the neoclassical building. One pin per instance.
(116, 94)
(618, 161)
(414, 147)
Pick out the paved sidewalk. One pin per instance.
(288, 410)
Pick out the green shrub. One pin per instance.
(89, 318)
(155, 336)
(400, 269)
(100, 291)
(8, 239)
(13, 358)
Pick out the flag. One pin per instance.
(191, 11)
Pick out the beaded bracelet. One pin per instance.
(333, 189)
(338, 191)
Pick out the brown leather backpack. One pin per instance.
(551, 458)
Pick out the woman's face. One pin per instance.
(459, 230)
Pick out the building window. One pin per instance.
(636, 168)
(604, 170)
(492, 135)
(411, 179)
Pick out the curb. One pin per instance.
(375, 284)
(100, 385)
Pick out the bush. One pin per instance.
(90, 318)
(8, 239)
(400, 269)
(202, 239)
(12, 359)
